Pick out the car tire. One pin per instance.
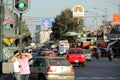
(41, 77)
(83, 64)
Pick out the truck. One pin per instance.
(63, 47)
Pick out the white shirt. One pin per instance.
(16, 65)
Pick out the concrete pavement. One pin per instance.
(6, 77)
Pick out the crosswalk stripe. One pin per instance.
(94, 78)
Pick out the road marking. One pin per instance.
(94, 78)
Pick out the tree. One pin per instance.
(65, 22)
(27, 39)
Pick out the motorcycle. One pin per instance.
(110, 57)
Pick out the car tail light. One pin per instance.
(83, 56)
(49, 69)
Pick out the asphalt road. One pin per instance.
(101, 69)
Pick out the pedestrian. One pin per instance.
(16, 65)
(31, 52)
(24, 65)
(110, 54)
(98, 53)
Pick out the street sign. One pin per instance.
(78, 11)
(8, 41)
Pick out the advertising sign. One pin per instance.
(116, 17)
(46, 22)
(78, 11)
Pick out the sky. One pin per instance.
(51, 8)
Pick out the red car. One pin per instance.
(76, 56)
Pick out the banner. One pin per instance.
(116, 17)
(46, 22)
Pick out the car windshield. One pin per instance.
(58, 62)
(75, 52)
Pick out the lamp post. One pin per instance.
(95, 17)
(105, 11)
(117, 5)
(1, 28)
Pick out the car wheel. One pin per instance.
(41, 77)
(84, 64)
(80, 65)
(90, 60)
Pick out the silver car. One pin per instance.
(51, 68)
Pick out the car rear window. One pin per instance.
(58, 62)
(39, 62)
(87, 51)
(75, 52)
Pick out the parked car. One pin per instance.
(51, 68)
(76, 56)
(88, 54)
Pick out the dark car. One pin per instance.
(88, 54)
(51, 68)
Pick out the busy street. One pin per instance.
(59, 40)
(100, 69)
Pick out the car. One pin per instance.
(51, 68)
(48, 53)
(76, 56)
(88, 54)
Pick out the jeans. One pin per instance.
(17, 76)
(25, 77)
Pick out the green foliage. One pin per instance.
(26, 34)
(27, 39)
(65, 22)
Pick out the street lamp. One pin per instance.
(116, 5)
(105, 17)
(105, 11)
(95, 17)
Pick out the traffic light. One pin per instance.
(21, 6)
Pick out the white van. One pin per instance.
(63, 47)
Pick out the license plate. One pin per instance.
(76, 60)
(62, 77)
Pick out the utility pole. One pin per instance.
(1, 28)
(21, 34)
(21, 6)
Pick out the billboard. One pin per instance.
(116, 17)
(78, 11)
(46, 22)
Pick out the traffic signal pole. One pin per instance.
(21, 6)
(21, 34)
(1, 28)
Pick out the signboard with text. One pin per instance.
(78, 11)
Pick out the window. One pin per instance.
(39, 62)
(76, 52)
(58, 62)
